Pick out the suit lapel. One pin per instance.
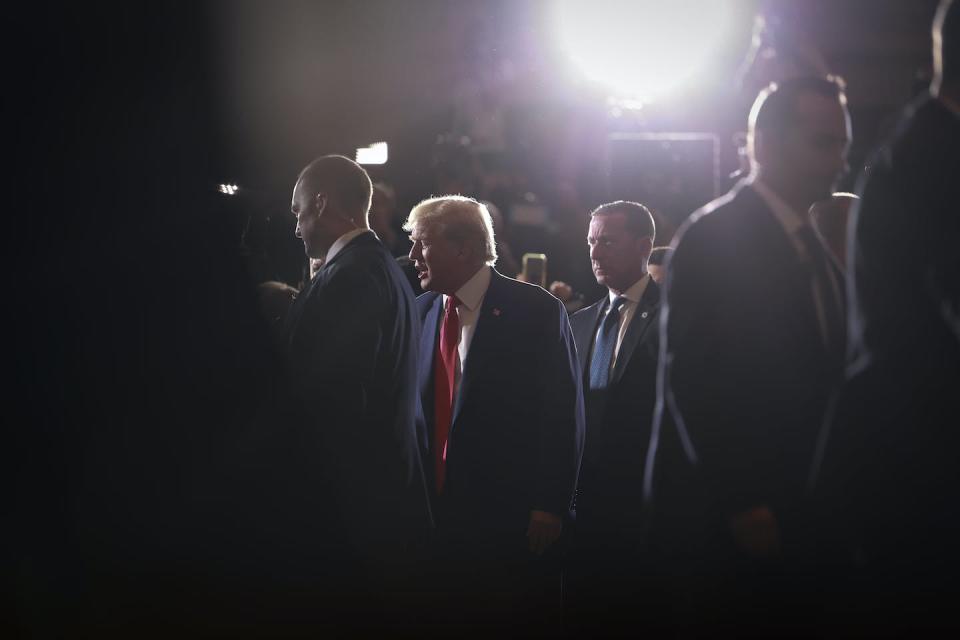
(428, 341)
(639, 325)
(782, 265)
(489, 322)
(588, 334)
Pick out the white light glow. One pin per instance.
(376, 153)
(641, 49)
(229, 189)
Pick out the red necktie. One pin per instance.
(445, 371)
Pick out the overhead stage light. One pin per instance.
(229, 189)
(376, 153)
(641, 49)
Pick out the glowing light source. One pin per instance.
(229, 189)
(641, 49)
(376, 153)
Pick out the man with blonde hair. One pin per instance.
(503, 410)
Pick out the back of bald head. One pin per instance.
(774, 111)
(342, 180)
(946, 45)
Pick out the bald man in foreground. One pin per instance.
(352, 338)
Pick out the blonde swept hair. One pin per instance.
(458, 218)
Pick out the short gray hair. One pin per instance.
(458, 218)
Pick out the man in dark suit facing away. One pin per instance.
(504, 413)
(752, 347)
(617, 341)
(886, 475)
(353, 337)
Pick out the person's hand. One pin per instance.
(756, 532)
(561, 290)
(543, 531)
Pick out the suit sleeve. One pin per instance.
(562, 417)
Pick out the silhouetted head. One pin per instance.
(798, 137)
(331, 197)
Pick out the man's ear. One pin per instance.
(320, 200)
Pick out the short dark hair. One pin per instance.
(774, 109)
(658, 255)
(342, 179)
(639, 219)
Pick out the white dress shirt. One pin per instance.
(471, 296)
(627, 311)
(342, 241)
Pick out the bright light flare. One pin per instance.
(641, 49)
(376, 153)
(229, 189)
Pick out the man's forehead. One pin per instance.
(423, 230)
(607, 223)
(815, 110)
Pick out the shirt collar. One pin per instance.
(343, 241)
(789, 219)
(471, 293)
(634, 293)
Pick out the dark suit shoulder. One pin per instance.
(425, 301)
(720, 227)
(587, 315)
(529, 293)
(361, 266)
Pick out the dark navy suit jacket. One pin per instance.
(886, 474)
(745, 376)
(517, 432)
(353, 340)
(609, 495)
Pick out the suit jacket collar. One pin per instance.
(364, 238)
(640, 324)
(779, 255)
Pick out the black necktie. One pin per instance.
(605, 347)
(818, 264)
